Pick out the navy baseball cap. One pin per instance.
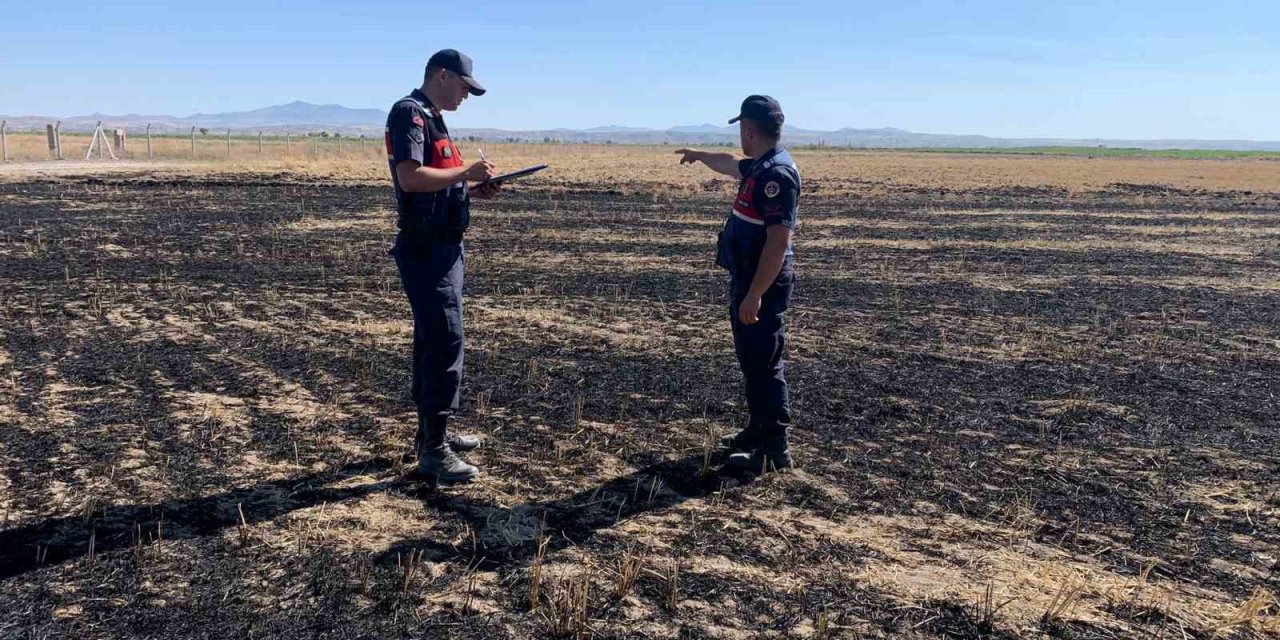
(459, 63)
(761, 109)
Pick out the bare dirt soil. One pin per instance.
(1023, 411)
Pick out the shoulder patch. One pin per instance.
(771, 190)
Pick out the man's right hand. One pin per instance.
(719, 162)
(689, 156)
(480, 171)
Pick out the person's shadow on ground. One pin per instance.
(513, 536)
(503, 536)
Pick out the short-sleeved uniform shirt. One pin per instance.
(416, 131)
(769, 194)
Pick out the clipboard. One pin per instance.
(519, 173)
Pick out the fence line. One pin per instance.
(194, 143)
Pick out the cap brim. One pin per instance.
(735, 119)
(477, 89)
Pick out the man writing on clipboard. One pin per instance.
(433, 190)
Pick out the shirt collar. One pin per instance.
(765, 157)
(422, 97)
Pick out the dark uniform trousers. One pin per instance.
(432, 278)
(760, 348)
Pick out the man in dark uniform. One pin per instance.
(755, 247)
(433, 190)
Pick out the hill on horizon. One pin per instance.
(301, 117)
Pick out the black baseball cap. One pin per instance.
(459, 63)
(761, 109)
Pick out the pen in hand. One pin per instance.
(482, 159)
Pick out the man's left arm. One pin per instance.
(776, 200)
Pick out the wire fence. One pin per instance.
(196, 144)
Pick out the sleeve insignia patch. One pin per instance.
(772, 189)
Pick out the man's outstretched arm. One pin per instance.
(724, 163)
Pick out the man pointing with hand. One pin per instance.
(433, 190)
(755, 247)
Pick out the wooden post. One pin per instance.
(193, 143)
(288, 143)
(148, 140)
(228, 142)
(53, 145)
(259, 143)
(362, 142)
(4, 142)
(122, 140)
(57, 137)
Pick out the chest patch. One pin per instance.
(446, 155)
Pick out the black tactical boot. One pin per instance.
(743, 441)
(445, 466)
(436, 458)
(772, 453)
(461, 443)
(760, 461)
(456, 441)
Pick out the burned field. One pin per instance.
(1022, 412)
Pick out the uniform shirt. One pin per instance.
(769, 194)
(416, 131)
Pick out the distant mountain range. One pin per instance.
(303, 117)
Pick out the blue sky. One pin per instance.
(1139, 69)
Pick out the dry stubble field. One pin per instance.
(1036, 397)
